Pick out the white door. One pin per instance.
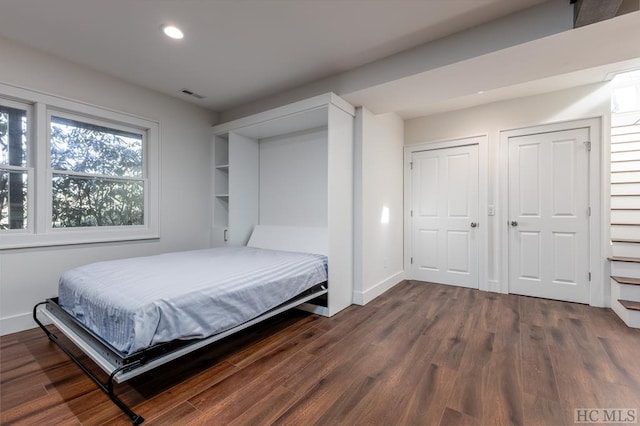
(548, 215)
(444, 216)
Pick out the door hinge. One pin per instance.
(588, 145)
(411, 213)
(411, 165)
(589, 276)
(588, 211)
(412, 260)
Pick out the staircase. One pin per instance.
(625, 217)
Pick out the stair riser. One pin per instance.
(626, 130)
(625, 188)
(625, 156)
(625, 231)
(627, 166)
(625, 249)
(631, 318)
(624, 119)
(625, 202)
(625, 216)
(625, 177)
(625, 143)
(625, 291)
(625, 269)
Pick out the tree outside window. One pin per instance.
(13, 168)
(97, 175)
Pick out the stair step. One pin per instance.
(624, 259)
(630, 304)
(624, 224)
(626, 280)
(624, 240)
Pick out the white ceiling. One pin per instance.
(239, 51)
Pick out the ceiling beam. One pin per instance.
(587, 12)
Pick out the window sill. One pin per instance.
(67, 237)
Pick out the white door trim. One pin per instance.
(597, 288)
(483, 229)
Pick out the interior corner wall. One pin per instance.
(28, 276)
(572, 104)
(378, 211)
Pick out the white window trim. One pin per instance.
(39, 232)
(28, 168)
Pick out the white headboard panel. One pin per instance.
(291, 238)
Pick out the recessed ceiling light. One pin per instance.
(172, 31)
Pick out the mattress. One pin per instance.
(136, 303)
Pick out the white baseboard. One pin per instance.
(16, 323)
(364, 297)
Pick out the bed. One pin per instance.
(133, 315)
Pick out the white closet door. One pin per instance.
(444, 210)
(548, 215)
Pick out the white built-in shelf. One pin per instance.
(222, 195)
(223, 167)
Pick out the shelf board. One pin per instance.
(222, 195)
(223, 167)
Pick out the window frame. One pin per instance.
(28, 168)
(40, 231)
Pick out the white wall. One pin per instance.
(293, 179)
(378, 175)
(572, 104)
(28, 276)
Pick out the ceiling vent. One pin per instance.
(190, 93)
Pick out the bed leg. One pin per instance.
(136, 419)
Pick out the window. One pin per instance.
(73, 173)
(626, 92)
(97, 174)
(14, 173)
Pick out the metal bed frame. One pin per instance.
(121, 367)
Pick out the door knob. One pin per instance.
(474, 225)
(514, 223)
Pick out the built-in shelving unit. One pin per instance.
(291, 165)
(220, 227)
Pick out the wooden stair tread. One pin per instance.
(625, 208)
(630, 304)
(626, 280)
(624, 240)
(624, 259)
(625, 224)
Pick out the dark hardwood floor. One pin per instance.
(420, 354)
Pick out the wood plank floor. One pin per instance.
(420, 354)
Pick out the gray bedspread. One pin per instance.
(139, 302)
